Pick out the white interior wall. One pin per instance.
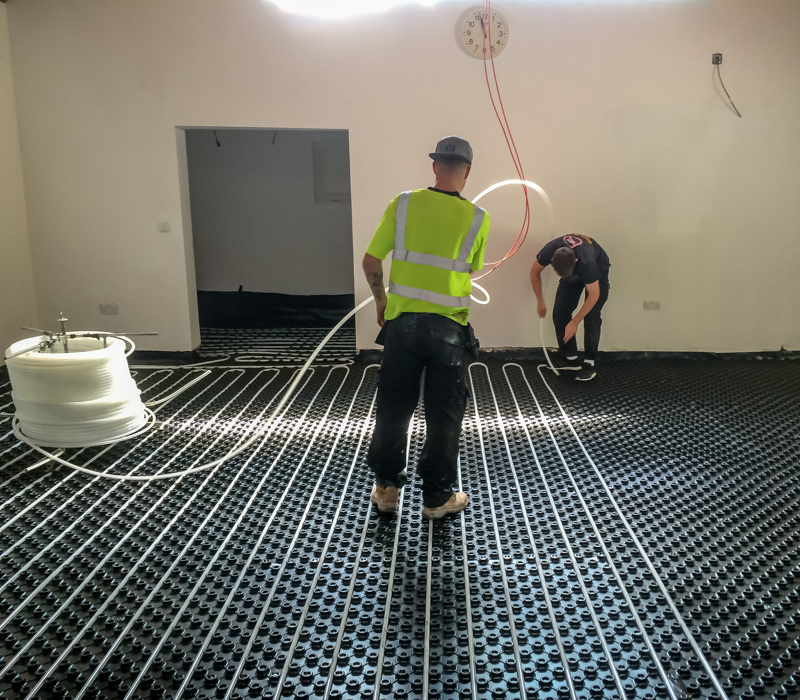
(17, 298)
(614, 109)
(255, 221)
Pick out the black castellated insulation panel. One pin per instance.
(661, 562)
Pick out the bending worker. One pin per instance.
(437, 238)
(581, 264)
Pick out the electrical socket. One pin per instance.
(109, 308)
(652, 305)
(716, 58)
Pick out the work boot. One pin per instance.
(457, 502)
(385, 499)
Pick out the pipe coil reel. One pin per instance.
(80, 398)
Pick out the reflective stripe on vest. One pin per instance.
(460, 264)
(426, 295)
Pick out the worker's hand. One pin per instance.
(572, 329)
(542, 308)
(380, 307)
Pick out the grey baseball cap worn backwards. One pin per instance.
(453, 147)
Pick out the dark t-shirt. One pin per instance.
(452, 194)
(591, 261)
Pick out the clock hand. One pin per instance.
(483, 26)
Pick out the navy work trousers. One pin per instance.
(568, 295)
(414, 342)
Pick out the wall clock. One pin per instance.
(475, 25)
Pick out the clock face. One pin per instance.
(477, 30)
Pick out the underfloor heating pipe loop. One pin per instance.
(320, 427)
(99, 532)
(178, 559)
(76, 495)
(326, 547)
(610, 560)
(351, 590)
(312, 500)
(225, 543)
(376, 695)
(348, 601)
(467, 593)
(670, 602)
(559, 641)
(122, 585)
(86, 580)
(573, 694)
(498, 544)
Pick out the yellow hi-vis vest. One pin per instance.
(414, 280)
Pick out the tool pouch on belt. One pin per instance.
(381, 339)
(473, 344)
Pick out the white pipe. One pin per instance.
(547, 205)
(530, 185)
(636, 541)
(544, 347)
(478, 301)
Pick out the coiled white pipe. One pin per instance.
(76, 399)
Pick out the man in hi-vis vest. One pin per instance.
(436, 238)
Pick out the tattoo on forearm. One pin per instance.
(375, 280)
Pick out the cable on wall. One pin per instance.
(716, 59)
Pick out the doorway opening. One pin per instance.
(273, 241)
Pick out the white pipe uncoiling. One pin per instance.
(238, 450)
(145, 418)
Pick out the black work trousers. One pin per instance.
(415, 342)
(568, 295)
